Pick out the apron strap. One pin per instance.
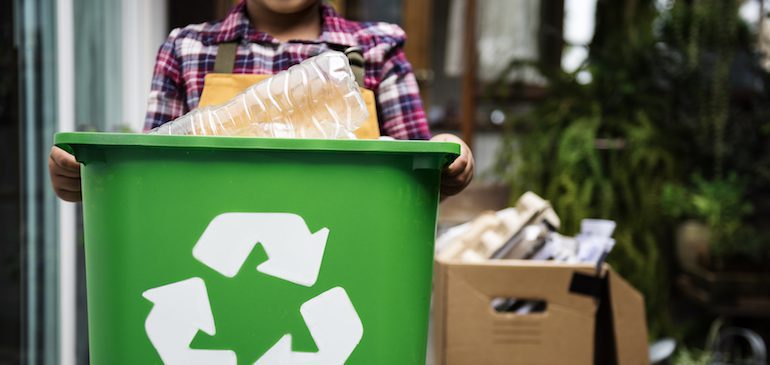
(225, 61)
(356, 60)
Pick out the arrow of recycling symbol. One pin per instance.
(180, 310)
(294, 254)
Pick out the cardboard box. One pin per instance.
(588, 318)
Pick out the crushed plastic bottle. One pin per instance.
(318, 98)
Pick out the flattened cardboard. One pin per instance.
(467, 330)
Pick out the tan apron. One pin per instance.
(222, 85)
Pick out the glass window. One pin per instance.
(35, 119)
(98, 64)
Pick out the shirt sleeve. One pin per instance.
(167, 94)
(398, 99)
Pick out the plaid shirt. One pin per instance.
(188, 55)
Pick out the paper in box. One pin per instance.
(588, 318)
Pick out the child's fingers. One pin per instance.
(454, 185)
(462, 179)
(55, 169)
(462, 163)
(64, 160)
(459, 173)
(67, 188)
(65, 183)
(456, 167)
(457, 180)
(70, 196)
(451, 190)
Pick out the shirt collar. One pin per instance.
(236, 27)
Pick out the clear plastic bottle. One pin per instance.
(318, 98)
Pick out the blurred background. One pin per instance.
(655, 114)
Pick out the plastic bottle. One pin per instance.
(318, 98)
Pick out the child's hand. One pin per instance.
(65, 175)
(459, 173)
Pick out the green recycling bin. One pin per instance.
(222, 250)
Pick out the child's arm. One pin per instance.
(167, 94)
(398, 99)
(403, 117)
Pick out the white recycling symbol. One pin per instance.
(181, 309)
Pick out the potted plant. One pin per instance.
(719, 106)
(716, 234)
(674, 125)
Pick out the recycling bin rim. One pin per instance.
(69, 140)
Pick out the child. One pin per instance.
(271, 36)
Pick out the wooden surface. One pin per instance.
(339, 6)
(727, 294)
(468, 103)
(418, 25)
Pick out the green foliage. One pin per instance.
(599, 150)
(692, 357)
(556, 156)
(702, 30)
(659, 110)
(721, 121)
(713, 201)
(723, 206)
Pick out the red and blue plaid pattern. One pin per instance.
(188, 55)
